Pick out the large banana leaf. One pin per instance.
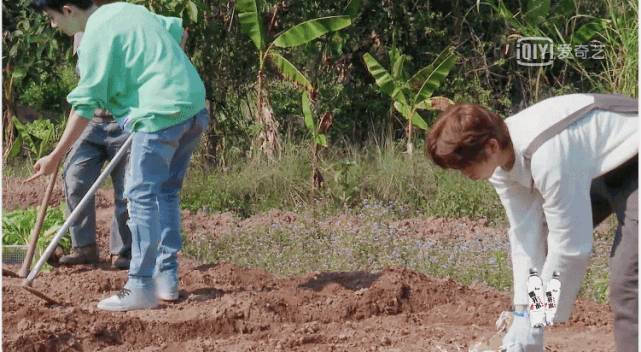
(353, 8)
(410, 115)
(583, 35)
(24, 134)
(403, 109)
(289, 71)
(193, 11)
(537, 11)
(15, 148)
(398, 61)
(310, 30)
(418, 121)
(307, 112)
(383, 79)
(440, 68)
(321, 139)
(419, 77)
(251, 21)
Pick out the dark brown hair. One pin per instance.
(57, 5)
(460, 134)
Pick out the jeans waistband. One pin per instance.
(103, 119)
(102, 115)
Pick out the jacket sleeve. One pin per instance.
(527, 233)
(568, 212)
(96, 66)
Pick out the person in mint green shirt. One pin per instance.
(131, 63)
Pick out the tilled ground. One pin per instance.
(223, 307)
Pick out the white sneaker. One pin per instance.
(167, 285)
(129, 300)
(171, 295)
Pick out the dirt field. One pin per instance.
(227, 308)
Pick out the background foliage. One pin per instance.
(39, 71)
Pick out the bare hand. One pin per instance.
(45, 166)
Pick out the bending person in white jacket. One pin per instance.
(560, 167)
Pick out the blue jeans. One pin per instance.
(98, 143)
(157, 167)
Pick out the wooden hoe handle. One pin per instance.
(26, 264)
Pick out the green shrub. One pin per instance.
(50, 94)
(18, 224)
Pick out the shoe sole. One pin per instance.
(83, 263)
(120, 267)
(167, 296)
(123, 309)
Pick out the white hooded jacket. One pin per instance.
(555, 189)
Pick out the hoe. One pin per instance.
(33, 242)
(26, 284)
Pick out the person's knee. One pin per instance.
(76, 186)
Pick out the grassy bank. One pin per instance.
(352, 177)
(366, 240)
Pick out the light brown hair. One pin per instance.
(460, 133)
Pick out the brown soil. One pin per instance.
(223, 307)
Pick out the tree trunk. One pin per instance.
(211, 138)
(7, 119)
(268, 140)
(318, 182)
(410, 145)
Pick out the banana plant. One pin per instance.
(252, 24)
(318, 134)
(541, 19)
(39, 136)
(415, 93)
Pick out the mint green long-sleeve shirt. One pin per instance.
(131, 64)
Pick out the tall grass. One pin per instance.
(352, 177)
(621, 65)
(620, 39)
